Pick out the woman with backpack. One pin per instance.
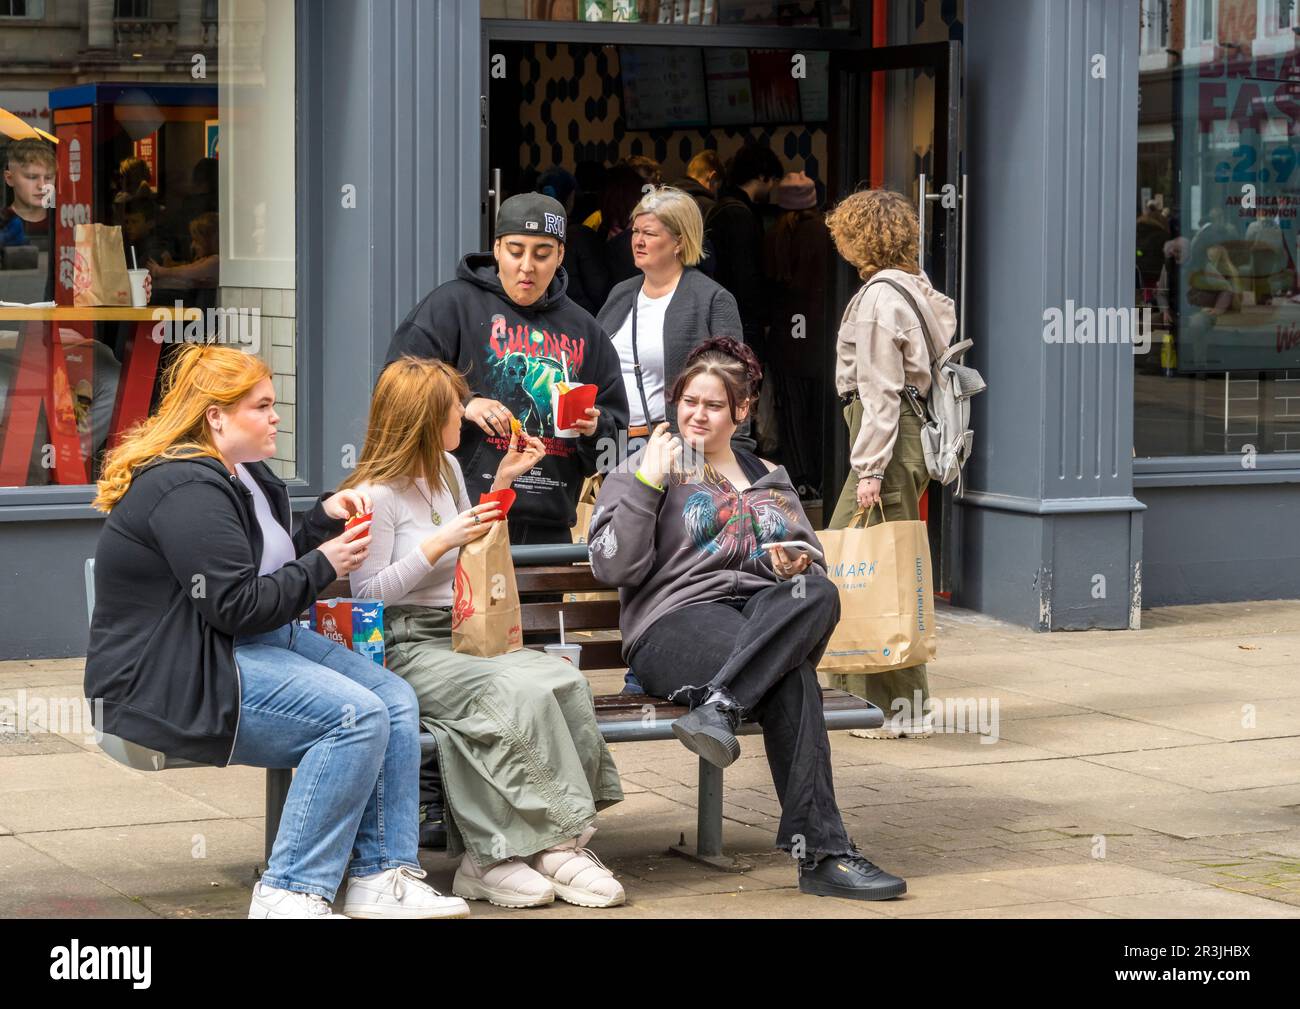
(882, 376)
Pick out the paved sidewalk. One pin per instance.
(1134, 774)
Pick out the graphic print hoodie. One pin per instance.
(697, 541)
(515, 354)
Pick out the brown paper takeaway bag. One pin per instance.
(485, 617)
(886, 596)
(99, 267)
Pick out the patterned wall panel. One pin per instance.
(571, 111)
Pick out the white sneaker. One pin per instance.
(398, 893)
(897, 728)
(512, 883)
(577, 875)
(272, 902)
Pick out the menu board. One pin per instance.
(814, 89)
(731, 96)
(663, 87)
(776, 92)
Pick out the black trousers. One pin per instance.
(764, 649)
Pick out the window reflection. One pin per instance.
(1217, 202)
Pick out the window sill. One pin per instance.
(1215, 471)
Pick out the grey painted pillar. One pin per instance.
(1052, 530)
(390, 100)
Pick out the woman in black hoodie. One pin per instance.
(195, 649)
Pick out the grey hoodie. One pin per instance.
(880, 350)
(697, 541)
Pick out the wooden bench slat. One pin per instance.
(572, 578)
(585, 616)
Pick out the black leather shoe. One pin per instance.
(710, 731)
(433, 832)
(850, 876)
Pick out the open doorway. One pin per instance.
(843, 116)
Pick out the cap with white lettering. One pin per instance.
(531, 214)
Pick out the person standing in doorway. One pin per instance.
(657, 317)
(882, 375)
(735, 228)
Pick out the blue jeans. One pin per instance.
(351, 728)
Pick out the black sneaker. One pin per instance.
(433, 832)
(850, 876)
(709, 731)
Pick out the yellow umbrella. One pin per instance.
(15, 129)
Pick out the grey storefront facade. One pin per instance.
(1061, 527)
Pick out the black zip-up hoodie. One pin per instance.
(175, 582)
(515, 353)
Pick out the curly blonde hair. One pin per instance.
(874, 230)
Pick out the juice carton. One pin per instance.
(357, 624)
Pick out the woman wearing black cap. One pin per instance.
(507, 324)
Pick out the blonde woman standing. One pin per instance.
(882, 364)
(657, 318)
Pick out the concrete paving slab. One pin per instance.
(1225, 813)
(194, 869)
(1065, 782)
(1247, 649)
(1226, 720)
(952, 750)
(1078, 735)
(1048, 909)
(75, 790)
(1201, 904)
(39, 886)
(1216, 767)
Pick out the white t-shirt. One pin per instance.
(277, 547)
(650, 349)
(396, 569)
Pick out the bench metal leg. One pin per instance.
(278, 780)
(708, 825)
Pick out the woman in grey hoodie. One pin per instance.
(715, 614)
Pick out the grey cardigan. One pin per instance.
(699, 309)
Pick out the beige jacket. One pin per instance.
(880, 350)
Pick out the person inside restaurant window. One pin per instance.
(205, 257)
(29, 171)
(196, 650)
(717, 617)
(506, 323)
(523, 765)
(882, 375)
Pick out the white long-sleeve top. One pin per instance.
(396, 569)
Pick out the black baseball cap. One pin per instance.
(531, 214)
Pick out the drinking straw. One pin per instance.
(561, 628)
(134, 265)
(564, 360)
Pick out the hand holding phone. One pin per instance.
(796, 547)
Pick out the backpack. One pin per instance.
(946, 436)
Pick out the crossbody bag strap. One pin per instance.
(916, 309)
(636, 367)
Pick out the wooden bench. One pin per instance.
(546, 571)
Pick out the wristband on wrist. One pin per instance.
(648, 482)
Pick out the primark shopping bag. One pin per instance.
(886, 596)
(485, 616)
